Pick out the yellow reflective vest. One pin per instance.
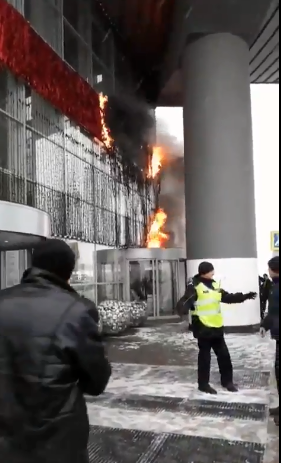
(208, 305)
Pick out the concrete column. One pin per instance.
(220, 203)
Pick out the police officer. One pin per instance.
(203, 298)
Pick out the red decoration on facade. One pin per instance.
(28, 57)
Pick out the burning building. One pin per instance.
(75, 138)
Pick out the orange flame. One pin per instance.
(156, 162)
(106, 138)
(156, 238)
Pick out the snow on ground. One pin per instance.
(248, 351)
(250, 354)
(175, 423)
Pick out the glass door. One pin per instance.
(12, 266)
(108, 276)
(156, 282)
(167, 287)
(142, 277)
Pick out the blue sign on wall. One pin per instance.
(275, 241)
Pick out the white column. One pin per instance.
(220, 202)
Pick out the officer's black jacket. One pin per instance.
(51, 354)
(186, 304)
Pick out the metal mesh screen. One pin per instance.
(49, 163)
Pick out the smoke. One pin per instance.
(131, 123)
(172, 195)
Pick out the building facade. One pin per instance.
(48, 161)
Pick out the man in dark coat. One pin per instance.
(271, 321)
(51, 354)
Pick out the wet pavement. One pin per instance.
(152, 410)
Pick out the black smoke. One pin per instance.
(132, 124)
(172, 194)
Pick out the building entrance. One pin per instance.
(22, 228)
(157, 276)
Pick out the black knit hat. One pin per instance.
(56, 257)
(274, 264)
(205, 268)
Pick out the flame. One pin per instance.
(156, 238)
(106, 138)
(156, 162)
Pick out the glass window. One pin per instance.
(27, 10)
(45, 18)
(18, 4)
(77, 53)
(103, 80)
(83, 277)
(71, 12)
(3, 88)
(108, 293)
(108, 50)
(167, 287)
(99, 38)
(71, 47)
(3, 143)
(106, 273)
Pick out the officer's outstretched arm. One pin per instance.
(236, 298)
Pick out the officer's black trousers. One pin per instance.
(204, 360)
(263, 310)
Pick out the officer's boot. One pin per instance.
(207, 389)
(230, 387)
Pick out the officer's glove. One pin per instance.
(252, 296)
(262, 333)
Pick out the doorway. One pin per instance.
(142, 283)
(156, 282)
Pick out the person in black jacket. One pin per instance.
(51, 354)
(265, 285)
(210, 337)
(271, 321)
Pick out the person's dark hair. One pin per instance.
(56, 257)
(205, 268)
(273, 264)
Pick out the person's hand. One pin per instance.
(252, 296)
(262, 333)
